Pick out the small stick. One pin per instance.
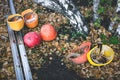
(100, 46)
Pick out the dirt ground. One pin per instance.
(48, 60)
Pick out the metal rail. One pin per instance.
(17, 45)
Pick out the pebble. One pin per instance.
(46, 54)
(50, 58)
(8, 49)
(50, 53)
(5, 64)
(62, 63)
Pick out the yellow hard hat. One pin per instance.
(108, 53)
(15, 22)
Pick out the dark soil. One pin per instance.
(53, 70)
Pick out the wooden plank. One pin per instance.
(21, 48)
(16, 58)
